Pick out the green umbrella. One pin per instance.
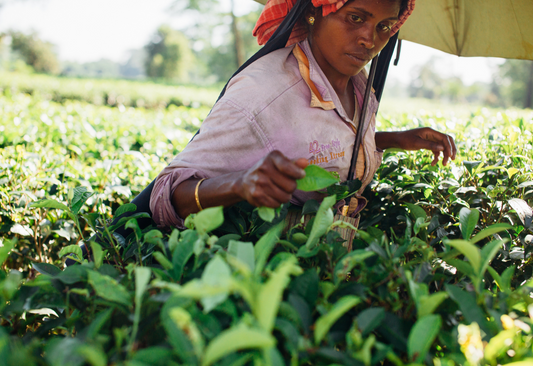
(489, 28)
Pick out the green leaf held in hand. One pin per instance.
(316, 178)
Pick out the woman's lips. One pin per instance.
(359, 59)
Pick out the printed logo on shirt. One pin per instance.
(325, 152)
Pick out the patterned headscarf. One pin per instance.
(276, 10)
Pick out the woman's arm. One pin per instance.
(269, 183)
(418, 139)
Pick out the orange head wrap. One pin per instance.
(276, 10)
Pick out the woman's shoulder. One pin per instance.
(265, 79)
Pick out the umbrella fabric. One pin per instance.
(491, 28)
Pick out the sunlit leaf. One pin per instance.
(209, 219)
(48, 203)
(79, 198)
(243, 252)
(270, 296)
(267, 214)
(316, 178)
(468, 220)
(235, 339)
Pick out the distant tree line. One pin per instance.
(207, 53)
(511, 85)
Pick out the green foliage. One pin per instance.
(440, 272)
(35, 52)
(169, 55)
(143, 94)
(517, 82)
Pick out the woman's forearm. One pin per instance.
(387, 140)
(218, 191)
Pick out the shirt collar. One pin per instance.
(322, 93)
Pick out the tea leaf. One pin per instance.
(491, 230)
(183, 320)
(524, 212)
(323, 220)
(5, 249)
(209, 219)
(109, 289)
(470, 309)
(72, 249)
(236, 339)
(128, 207)
(267, 304)
(48, 203)
(512, 171)
(428, 304)
(98, 254)
(264, 247)
(142, 277)
(79, 198)
(217, 273)
(469, 250)
(163, 261)
(267, 214)
(45, 268)
(324, 323)
(316, 178)
(422, 336)
(243, 252)
(370, 319)
(468, 219)
(183, 252)
(416, 211)
(498, 344)
(487, 254)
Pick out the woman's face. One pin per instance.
(343, 42)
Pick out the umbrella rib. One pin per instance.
(516, 19)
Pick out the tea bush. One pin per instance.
(440, 271)
(143, 94)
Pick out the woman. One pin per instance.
(294, 106)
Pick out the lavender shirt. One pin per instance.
(270, 106)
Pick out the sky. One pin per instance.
(89, 30)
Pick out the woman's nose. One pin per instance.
(366, 37)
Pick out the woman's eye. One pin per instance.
(356, 19)
(385, 27)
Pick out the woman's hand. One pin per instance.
(418, 139)
(272, 181)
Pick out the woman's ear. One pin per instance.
(310, 15)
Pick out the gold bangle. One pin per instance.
(196, 194)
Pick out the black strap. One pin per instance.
(383, 66)
(362, 118)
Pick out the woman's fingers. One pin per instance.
(272, 180)
(436, 142)
(285, 166)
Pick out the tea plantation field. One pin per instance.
(441, 271)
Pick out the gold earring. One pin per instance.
(311, 20)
